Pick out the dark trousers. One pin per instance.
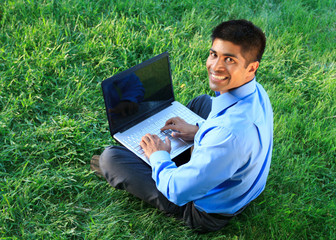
(124, 170)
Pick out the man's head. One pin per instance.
(237, 48)
(245, 34)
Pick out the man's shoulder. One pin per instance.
(235, 122)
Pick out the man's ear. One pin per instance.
(253, 66)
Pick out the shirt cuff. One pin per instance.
(200, 123)
(159, 157)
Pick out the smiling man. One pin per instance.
(229, 164)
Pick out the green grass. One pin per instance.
(53, 57)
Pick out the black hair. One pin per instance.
(245, 34)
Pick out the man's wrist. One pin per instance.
(159, 156)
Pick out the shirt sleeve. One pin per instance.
(200, 123)
(214, 160)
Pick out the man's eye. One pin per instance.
(229, 60)
(212, 54)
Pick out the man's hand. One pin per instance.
(152, 143)
(183, 129)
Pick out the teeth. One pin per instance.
(218, 77)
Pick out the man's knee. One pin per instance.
(201, 105)
(198, 100)
(109, 155)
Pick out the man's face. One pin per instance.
(227, 66)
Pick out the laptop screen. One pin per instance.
(137, 93)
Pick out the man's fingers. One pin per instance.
(167, 141)
(173, 124)
(155, 137)
(170, 121)
(168, 144)
(148, 138)
(143, 144)
(172, 127)
(176, 134)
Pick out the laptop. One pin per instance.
(140, 100)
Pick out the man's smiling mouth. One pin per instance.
(219, 77)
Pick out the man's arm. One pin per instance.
(212, 162)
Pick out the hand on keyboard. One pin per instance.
(152, 143)
(181, 129)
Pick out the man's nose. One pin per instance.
(218, 65)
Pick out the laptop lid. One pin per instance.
(137, 93)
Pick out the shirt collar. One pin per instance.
(225, 100)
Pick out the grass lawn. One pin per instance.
(53, 57)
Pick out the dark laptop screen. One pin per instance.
(138, 92)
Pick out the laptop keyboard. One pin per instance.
(153, 127)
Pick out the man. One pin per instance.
(232, 151)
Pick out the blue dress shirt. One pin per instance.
(232, 152)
